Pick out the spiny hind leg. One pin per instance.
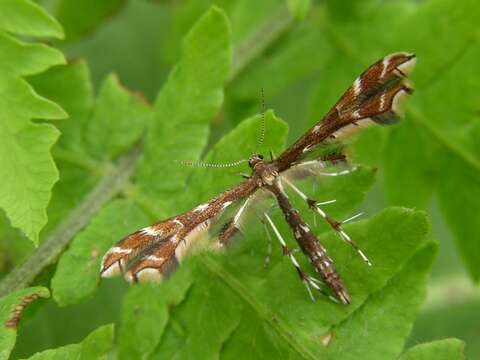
(334, 224)
(308, 281)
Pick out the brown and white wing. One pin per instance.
(152, 253)
(117, 259)
(374, 97)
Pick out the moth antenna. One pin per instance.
(200, 164)
(261, 138)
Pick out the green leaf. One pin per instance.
(25, 161)
(118, 118)
(69, 86)
(94, 134)
(364, 334)
(443, 110)
(461, 208)
(77, 274)
(80, 18)
(294, 59)
(448, 349)
(415, 149)
(96, 345)
(237, 145)
(438, 154)
(24, 17)
(183, 110)
(299, 7)
(249, 16)
(218, 306)
(146, 313)
(440, 319)
(118, 121)
(276, 301)
(11, 307)
(378, 329)
(202, 336)
(26, 158)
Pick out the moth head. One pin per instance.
(254, 160)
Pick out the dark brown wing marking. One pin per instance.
(375, 97)
(153, 252)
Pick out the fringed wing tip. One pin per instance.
(113, 261)
(144, 275)
(407, 64)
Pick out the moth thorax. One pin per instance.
(265, 172)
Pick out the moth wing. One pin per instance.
(154, 252)
(116, 260)
(375, 97)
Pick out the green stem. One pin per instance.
(77, 159)
(110, 186)
(251, 47)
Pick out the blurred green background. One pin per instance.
(304, 66)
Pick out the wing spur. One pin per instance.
(153, 252)
(253, 206)
(376, 96)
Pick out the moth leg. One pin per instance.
(307, 280)
(339, 173)
(232, 227)
(266, 262)
(228, 231)
(335, 225)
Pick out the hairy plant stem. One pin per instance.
(117, 180)
(111, 185)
